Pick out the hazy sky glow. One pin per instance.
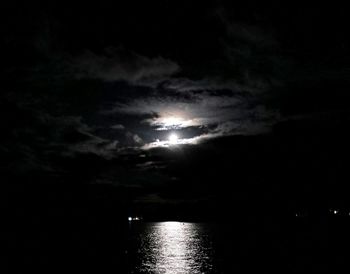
(198, 114)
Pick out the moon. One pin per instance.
(173, 138)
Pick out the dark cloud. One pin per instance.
(122, 65)
(118, 127)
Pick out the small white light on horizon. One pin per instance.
(136, 218)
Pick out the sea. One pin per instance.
(187, 247)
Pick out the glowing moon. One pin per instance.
(173, 138)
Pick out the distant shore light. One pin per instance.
(136, 218)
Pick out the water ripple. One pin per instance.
(174, 247)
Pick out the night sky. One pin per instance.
(178, 108)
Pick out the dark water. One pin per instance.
(43, 231)
(100, 245)
(180, 247)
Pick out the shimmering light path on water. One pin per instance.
(174, 247)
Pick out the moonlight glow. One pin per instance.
(173, 122)
(173, 139)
